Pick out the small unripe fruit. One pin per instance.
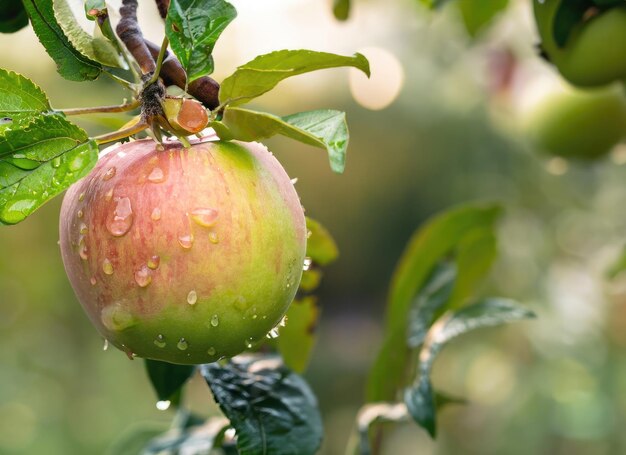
(595, 51)
(583, 124)
(186, 116)
(184, 255)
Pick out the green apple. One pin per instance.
(184, 255)
(583, 124)
(595, 51)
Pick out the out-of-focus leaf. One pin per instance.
(477, 15)
(434, 295)
(99, 50)
(325, 129)
(618, 266)
(71, 64)
(419, 398)
(193, 27)
(13, 16)
(198, 439)
(271, 408)
(167, 378)
(310, 280)
(341, 9)
(40, 161)
(20, 101)
(264, 72)
(474, 257)
(427, 246)
(321, 246)
(132, 440)
(433, 4)
(297, 338)
(568, 15)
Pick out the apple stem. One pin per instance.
(101, 109)
(159, 61)
(121, 134)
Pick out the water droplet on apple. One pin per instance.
(154, 262)
(307, 263)
(83, 229)
(109, 174)
(204, 217)
(109, 195)
(214, 238)
(272, 334)
(107, 267)
(182, 344)
(163, 405)
(283, 321)
(82, 248)
(156, 214)
(122, 219)
(143, 276)
(93, 281)
(215, 320)
(156, 176)
(294, 180)
(106, 345)
(186, 241)
(81, 196)
(80, 214)
(192, 297)
(116, 318)
(159, 341)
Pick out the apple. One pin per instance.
(584, 124)
(595, 51)
(184, 255)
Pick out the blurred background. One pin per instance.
(439, 123)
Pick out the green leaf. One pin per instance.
(167, 378)
(71, 64)
(193, 440)
(98, 49)
(433, 296)
(619, 266)
(320, 246)
(419, 398)
(20, 100)
(433, 4)
(569, 14)
(325, 129)
(133, 439)
(271, 408)
(341, 9)
(427, 247)
(264, 72)
(477, 15)
(193, 27)
(297, 338)
(13, 16)
(40, 161)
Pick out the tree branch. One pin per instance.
(163, 6)
(129, 32)
(204, 89)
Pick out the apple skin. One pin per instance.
(207, 296)
(595, 52)
(581, 124)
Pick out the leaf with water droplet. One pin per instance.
(167, 379)
(46, 141)
(269, 406)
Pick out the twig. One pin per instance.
(101, 109)
(159, 61)
(129, 32)
(204, 89)
(163, 6)
(121, 134)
